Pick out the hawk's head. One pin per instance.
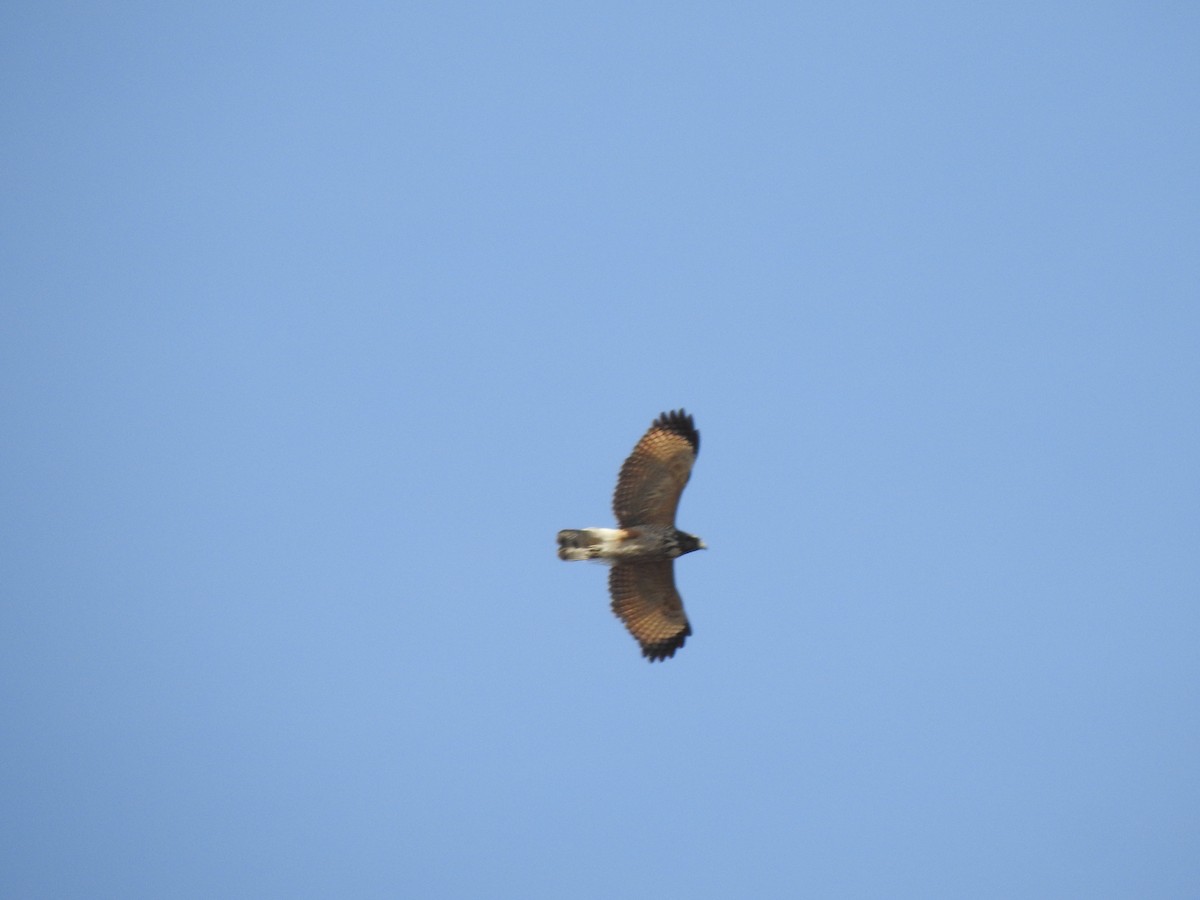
(686, 543)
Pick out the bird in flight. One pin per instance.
(642, 551)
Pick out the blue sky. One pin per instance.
(319, 321)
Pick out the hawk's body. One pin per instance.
(641, 551)
(612, 545)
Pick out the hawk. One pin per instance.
(643, 549)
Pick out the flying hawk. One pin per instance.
(643, 549)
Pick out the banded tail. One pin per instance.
(589, 543)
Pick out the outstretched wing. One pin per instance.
(645, 599)
(655, 473)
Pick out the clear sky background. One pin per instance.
(319, 321)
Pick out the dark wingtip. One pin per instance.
(680, 422)
(666, 649)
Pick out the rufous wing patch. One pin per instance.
(644, 597)
(652, 479)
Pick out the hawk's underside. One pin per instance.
(643, 549)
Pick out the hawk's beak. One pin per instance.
(703, 546)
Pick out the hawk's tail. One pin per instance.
(587, 543)
(576, 545)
